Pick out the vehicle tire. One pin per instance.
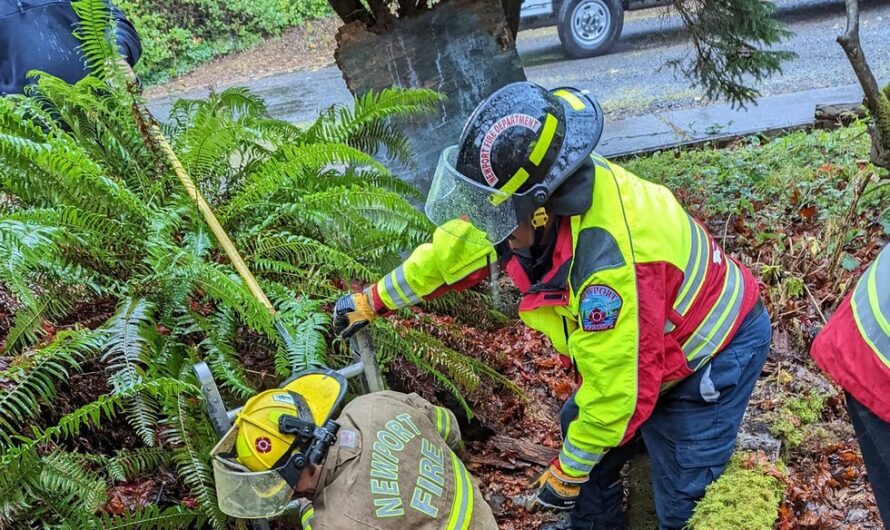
(589, 27)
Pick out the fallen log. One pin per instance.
(491, 460)
(836, 115)
(523, 450)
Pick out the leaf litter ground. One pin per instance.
(780, 206)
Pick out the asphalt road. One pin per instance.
(633, 79)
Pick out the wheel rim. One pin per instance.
(591, 21)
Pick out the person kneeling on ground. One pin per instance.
(386, 462)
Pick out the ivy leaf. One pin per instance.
(850, 263)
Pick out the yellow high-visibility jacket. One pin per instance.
(638, 295)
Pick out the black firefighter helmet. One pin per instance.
(515, 151)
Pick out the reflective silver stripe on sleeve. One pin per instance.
(402, 283)
(871, 306)
(581, 455)
(568, 463)
(393, 294)
(711, 333)
(462, 505)
(696, 267)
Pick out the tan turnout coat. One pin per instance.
(394, 468)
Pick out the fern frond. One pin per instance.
(92, 414)
(96, 32)
(128, 350)
(26, 328)
(15, 486)
(32, 379)
(130, 464)
(309, 254)
(148, 517)
(191, 459)
(68, 484)
(289, 171)
(357, 126)
(224, 361)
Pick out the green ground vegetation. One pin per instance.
(796, 413)
(178, 36)
(746, 495)
(768, 178)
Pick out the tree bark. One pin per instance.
(875, 99)
(461, 48)
(350, 11)
(523, 450)
(511, 13)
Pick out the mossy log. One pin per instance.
(747, 495)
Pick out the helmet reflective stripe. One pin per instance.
(462, 505)
(699, 347)
(542, 145)
(871, 306)
(515, 182)
(543, 142)
(572, 99)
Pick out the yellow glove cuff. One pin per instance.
(562, 477)
(363, 308)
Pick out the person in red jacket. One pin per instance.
(854, 349)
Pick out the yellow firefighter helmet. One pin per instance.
(276, 434)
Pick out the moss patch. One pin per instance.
(795, 415)
(746, 496)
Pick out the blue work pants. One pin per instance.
(874, 442)
(690, 435)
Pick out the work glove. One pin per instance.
(555, 490)
(352, 312)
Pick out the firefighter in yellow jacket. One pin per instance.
(387, 462)
(665, 332)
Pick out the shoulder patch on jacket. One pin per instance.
(596, 250)
(347, 438)
(599, 307)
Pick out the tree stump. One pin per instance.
(462, 48)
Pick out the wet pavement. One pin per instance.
(648, 104)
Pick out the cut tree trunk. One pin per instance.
(462, 48)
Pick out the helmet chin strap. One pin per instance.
(540, 218)
(539, 223)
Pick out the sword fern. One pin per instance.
(93, 217)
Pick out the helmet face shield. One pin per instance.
(454, 196)
(243, 493)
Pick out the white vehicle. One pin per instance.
(586, 27)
